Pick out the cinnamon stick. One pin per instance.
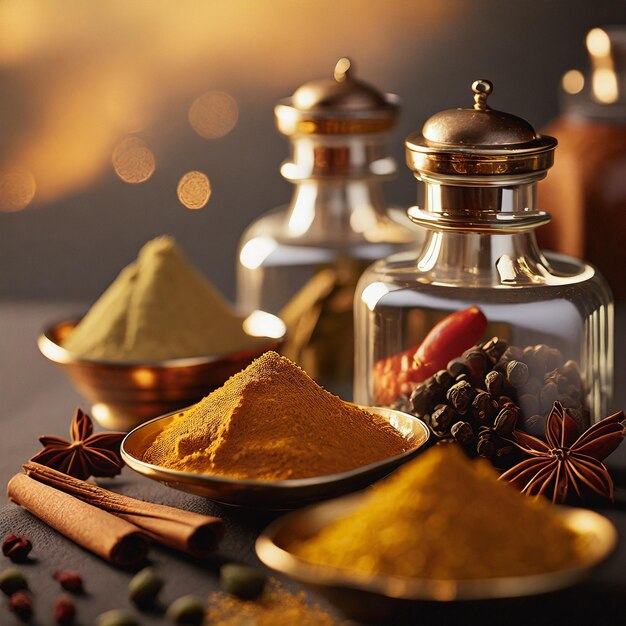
(183, 530)
(113, 539)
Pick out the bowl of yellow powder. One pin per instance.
(158, 339)
(271, 438)
(442, 528)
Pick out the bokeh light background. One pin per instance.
(120, 121)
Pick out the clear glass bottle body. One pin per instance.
(529, 299)
(335, 226)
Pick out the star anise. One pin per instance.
(86, 454)
(567, 467)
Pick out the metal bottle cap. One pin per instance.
(478, 142)
(339, 105)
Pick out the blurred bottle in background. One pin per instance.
(302, 261)
(586, 192)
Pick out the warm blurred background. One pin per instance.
(120, 121)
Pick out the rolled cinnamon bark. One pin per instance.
(113, 539)
(183, 530)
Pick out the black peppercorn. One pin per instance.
(494, 382)
(529, 403)
(463, 433)
(456, 367)
(570, 370)
(442, 418)
(444, 379)
(517, 373)
(476, 362)
(512, 353)
(548, 396)
(554, 359)
(421, 400)
(506, 420)
(460, 395)
(484, 407)
(494, 348)
(486, 446)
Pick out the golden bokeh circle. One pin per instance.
(133, 161)
(213, 114)
(194, 190)
(17, 189)
(573, 82)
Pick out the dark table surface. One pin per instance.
(36, 399)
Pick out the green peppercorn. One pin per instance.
(242, 581)
(117, 617)
(12, 580)
(144, 588)
(186, 610)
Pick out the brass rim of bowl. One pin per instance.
(296, 483)
(58, 354)
(403, 588)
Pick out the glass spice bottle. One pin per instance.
(302, 261)
(480, 331)
(586, 191)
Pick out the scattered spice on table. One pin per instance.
(186, 610)
(64, 610)
(242, 581)
(12, 580)
(272, 422)
(21, 603)
(144, 587)
(69, 580)
(117, 617)
(85, 454)
(275, 607)
(16, 548)
(159, 307)
(446, 517)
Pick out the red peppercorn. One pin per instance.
(69, 580)
(64, 610)
(21, 604)
(16, 548)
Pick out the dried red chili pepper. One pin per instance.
(448, 339)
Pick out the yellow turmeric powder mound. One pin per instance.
(159, 307)
(276, 607)
(272, 422)
(445, 517)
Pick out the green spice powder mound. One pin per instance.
(159, 307)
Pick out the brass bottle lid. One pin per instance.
(478, 142)
(342, 104)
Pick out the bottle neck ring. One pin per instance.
(338, 158)
(478, 208)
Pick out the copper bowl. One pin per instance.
(125, 395)
(379, 597)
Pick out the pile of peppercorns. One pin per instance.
(492, 390)
(238, 580)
